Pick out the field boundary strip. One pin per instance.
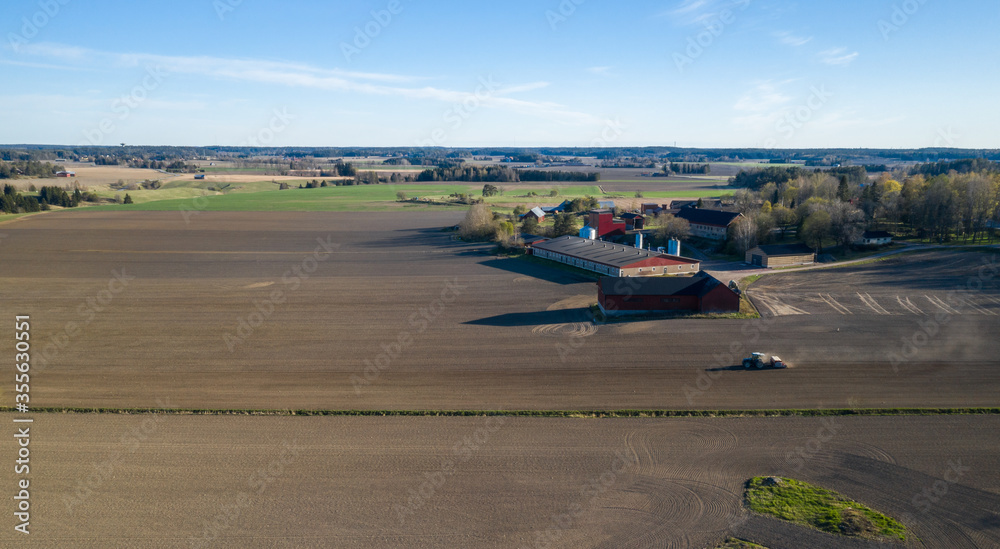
(530, 413)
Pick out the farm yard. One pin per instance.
(923, 284)
(497, 482)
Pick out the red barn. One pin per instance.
(701, 293)
(604, 222)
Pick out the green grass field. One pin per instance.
(5, 217)
(825, 510)
(686, 194)
(332, 199)
(264, 196)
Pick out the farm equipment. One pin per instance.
(735, 287)
(758, 360)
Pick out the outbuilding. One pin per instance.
(535, 212)
(781, 255)
(633, 221)
(874, 238)
(701, 293)
(712, 224)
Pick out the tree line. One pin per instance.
(675, 167)
(13, 201)
(501, 174)
(27, 168)
(831, 205)
(824, 157)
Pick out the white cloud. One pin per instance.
(789, 39)
(837, 56)
(762, 97)
(507, 90)
(688, 6)
(691, 12)
(291, 74)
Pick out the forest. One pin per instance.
(937, 202)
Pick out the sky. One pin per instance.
(587, 73)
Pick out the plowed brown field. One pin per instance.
(249, 310)
(218, 481)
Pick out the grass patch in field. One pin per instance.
(747, 310)
(733, 543)
(819, 508)
(695, 193)
(11, 217)
(143, 196)
(515, 193)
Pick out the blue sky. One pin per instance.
(698, 73)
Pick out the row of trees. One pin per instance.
(27, 168)
(501, 174)
(547, 175)
(12, 201)
(674, 167)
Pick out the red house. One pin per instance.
(701, 293)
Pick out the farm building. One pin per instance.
(706, 203)
(874, 238)
(701, 293)
(199, 176)
(781, 255)
(531, 239)
(653, 209)
(612, 259)
(557, 209)
(604, 222)
(535, 212)
(65, 174)
(713, 224)
(633, 221)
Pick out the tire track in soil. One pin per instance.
(829, 453)
(960, 511)
(571, 329)
(671, 510)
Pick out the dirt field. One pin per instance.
(90, 175)
(249, 311)
(212, 481)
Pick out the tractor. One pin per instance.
(758, 360)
